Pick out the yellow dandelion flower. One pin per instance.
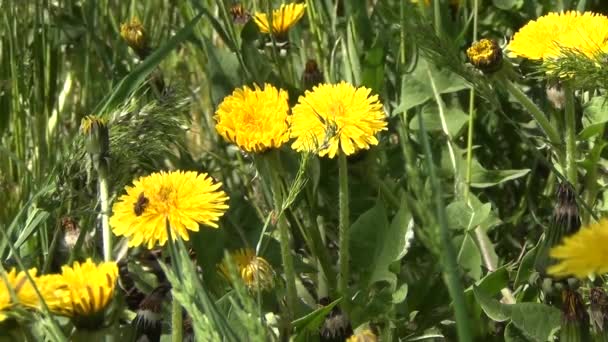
(547, 36)
(365, 335)
(255, 271)
(282, 19)
(485, 55)
(582, 253)
(91, 287)
(134, 34)
(183, 199)
(335, 117)
(254, 119)
(52, 292)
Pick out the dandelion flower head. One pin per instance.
(254, 119)
(282, 19)
(549, 35)
(582, 253)
(91, 287)
(255, 271)
(183, 199)
(336, 117)
(134, 34)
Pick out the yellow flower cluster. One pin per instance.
(82, 290)
(549, 35)
(255, 271)
(330, 119)
(282, 19)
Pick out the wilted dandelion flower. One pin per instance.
(282, 19)
(485, 55)
(134, 34)
(550, 34)
(183, 199)
(335, 117)
(254, 119)
(255, 271)
(583, 253)
(91, 287)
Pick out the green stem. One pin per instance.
(344, 226)
(448, 254)
(536, 113)
(176, 321)
(571, 171)
(105, 209)
(284, 235)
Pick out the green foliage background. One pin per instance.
(62, 60)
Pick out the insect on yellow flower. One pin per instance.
(282, 19)
(183, 199)
(583, 253)
(336, 117)
(254, 119)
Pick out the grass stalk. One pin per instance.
(448, 254)
(570, 126)
(176, 321)
(533, 109)
(343, 229)
(105, 209)
(284, 235)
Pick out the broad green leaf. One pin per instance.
(312, 321)
(402, 226)
(463, 216)
(493, 282)
(536, 321)
(469, 257)
(526, 268)
(595, 116)
(513, 334)
(482, 178)
(455, 119)
(493, 308)
(416, 89)
(375, 245)
(400, 295)
(508, 4)
(34, 219)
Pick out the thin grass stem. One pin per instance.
(344, 229)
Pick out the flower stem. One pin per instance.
(105, 209)
(533, 109)
(343, 228)
(284, 235)
(571, 171)
(176, 321)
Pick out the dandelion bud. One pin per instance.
(311, 75)
(148, 321)
(95, 131)
(565, 222)
(599, 313)
(575, 321)
(239, 14)
(135, 36)
(556, 95)
(336, 326)
(363, 336)
(485, 55)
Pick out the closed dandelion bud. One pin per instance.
(148, 322)
(336, 326)
(575, 321)
(135, 36)
(565, 222)
(556, 95)
(311, 75)
(239, 14)
(95, 131)
(485, 55)
(598, 313)
(366, 335)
